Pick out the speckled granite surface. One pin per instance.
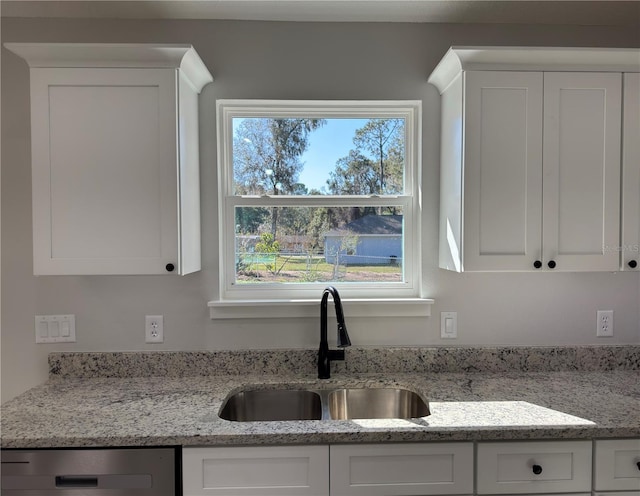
(172, 410)
(358, 361)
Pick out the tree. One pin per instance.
(266, 156)
(380, 137)
(374, 167)
(353, 175)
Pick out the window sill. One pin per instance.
(353, 307)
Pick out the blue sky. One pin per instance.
(326, 145)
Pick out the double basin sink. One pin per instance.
(254, 405)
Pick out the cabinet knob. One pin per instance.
(170, 267)
(537, 469)
(633, 264)
(537, 264)
(551, 264)
(638, 464)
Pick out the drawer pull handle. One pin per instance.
(537, 469)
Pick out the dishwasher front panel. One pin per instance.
(91, 472)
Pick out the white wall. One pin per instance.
(285, 61)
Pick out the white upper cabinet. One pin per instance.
(581, 169)
(530, 158)
(115, 159)
(503, 170)
(631, 173)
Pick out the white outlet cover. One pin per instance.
(604, 327)
(154, 329)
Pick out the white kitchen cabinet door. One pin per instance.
(115, 165)
(402, 469)
(631, 173)
(617, 465)
(532, 467)
(581, 181)
(256, 471)
(502, 170)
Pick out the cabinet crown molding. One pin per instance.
(120, 55)
(575, 59)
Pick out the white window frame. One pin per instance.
(234, 295)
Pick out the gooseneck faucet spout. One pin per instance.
(325, 355)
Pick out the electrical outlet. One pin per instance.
(605, 323)
(154, 328)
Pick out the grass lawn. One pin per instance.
(300, 268)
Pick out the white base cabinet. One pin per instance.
(534, 467)
(256, 471)
(407, 469)
(402, 469)
(115, 160)
(617, 465)
(524, 468)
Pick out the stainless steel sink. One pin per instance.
(272, 404)
(375, 403)
(326, 404)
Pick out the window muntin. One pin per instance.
(260, 196)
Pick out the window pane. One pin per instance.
(318, 244)
(332, 156)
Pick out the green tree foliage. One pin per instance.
(267, 156)
(376, 164)
(354, 175)
(250, 219)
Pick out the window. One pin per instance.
(313, 193)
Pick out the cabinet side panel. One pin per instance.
(189, 178)
(451, 143)
(631, 171)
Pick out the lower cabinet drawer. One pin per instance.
(534, 467)
(617, 493)
(617, 465)
(256, 471)
(401, 469)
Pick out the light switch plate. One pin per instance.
(448, 325)
(55, 328)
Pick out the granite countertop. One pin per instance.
(78, 406)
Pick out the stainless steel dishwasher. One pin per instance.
(91, 472)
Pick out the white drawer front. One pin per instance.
(617, 466)
(259, 471)
(534, 467)
(401, 469)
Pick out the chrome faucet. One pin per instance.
(325, 355)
